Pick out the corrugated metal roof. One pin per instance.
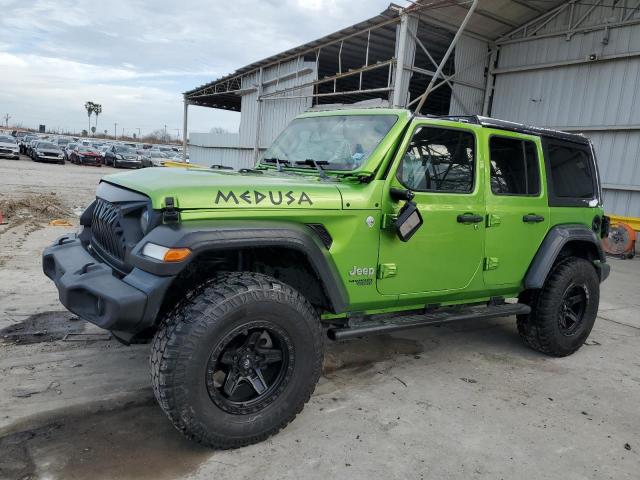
(492, 19)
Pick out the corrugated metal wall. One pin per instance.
(236, 150)
(600, 98)
(471, 60)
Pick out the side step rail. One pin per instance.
(397, 323)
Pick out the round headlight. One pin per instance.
(144, 221)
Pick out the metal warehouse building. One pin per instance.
(570, 65)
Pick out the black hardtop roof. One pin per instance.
(515, 127)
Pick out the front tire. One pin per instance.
(563, 311)
(236, 360)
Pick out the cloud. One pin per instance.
(137, 57)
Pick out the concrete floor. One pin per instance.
(466, 400)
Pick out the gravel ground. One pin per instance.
(466, 400)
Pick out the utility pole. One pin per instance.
(115, 131)
(7, 117)
(138, 132)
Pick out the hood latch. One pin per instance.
(169, 213)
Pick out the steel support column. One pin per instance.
(184, 129)
(463, 25)
(491, 81)
(405, 55)
(256, 148)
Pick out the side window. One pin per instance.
(571, 172)
(439, 160)
(514, 167)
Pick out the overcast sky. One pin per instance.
(136, 57)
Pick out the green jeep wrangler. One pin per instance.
(353, 223)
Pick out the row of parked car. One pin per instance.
(61, 149)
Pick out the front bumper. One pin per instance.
(49, 158)
(91, 290)
(128, 163)
(90, 160)
(5, 153)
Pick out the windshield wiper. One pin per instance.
(314, 163)
(279, 163)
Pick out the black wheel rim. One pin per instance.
(572, 309)
(250, 367)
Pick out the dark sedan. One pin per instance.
(83, 155)
(47, 152)
(122, 156)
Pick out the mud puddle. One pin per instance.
(365, 351)
(135, 441)
(42, 327)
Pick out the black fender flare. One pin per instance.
(206, 236)
(555, 240)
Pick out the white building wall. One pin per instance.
(237, 150)
(599, 98)
(471, 60)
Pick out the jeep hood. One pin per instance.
(199, 188)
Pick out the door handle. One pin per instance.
(470, 218)
(533, 218)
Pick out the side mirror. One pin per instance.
(408, 222)
(409, 219)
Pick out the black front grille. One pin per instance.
(106, 229)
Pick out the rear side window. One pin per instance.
(571, 173)
(439, 160)
(514, 167)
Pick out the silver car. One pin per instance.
(9, 147)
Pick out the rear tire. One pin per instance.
(563, 311)
(218, 349)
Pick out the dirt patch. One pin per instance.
(134, 441)
(33, 209)
(42, 327)
(360, 352)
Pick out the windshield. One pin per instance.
(7, 139)
(47, 145)
(83, 148)
(124, 149)
(340, 142)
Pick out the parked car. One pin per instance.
(154, 158)
(47, 152)
(82, 155)
(24, 143)
(122, 156)
(62, 142)
(9, 147)
(103, 150)
(66, 151)
(32, 143)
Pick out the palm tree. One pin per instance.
(89, 106)
(97, 109)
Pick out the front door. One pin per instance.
(440, 165)
(517, 208)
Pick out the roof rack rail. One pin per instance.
(513, 127)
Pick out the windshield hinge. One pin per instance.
(388, 221)
(169, 212)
